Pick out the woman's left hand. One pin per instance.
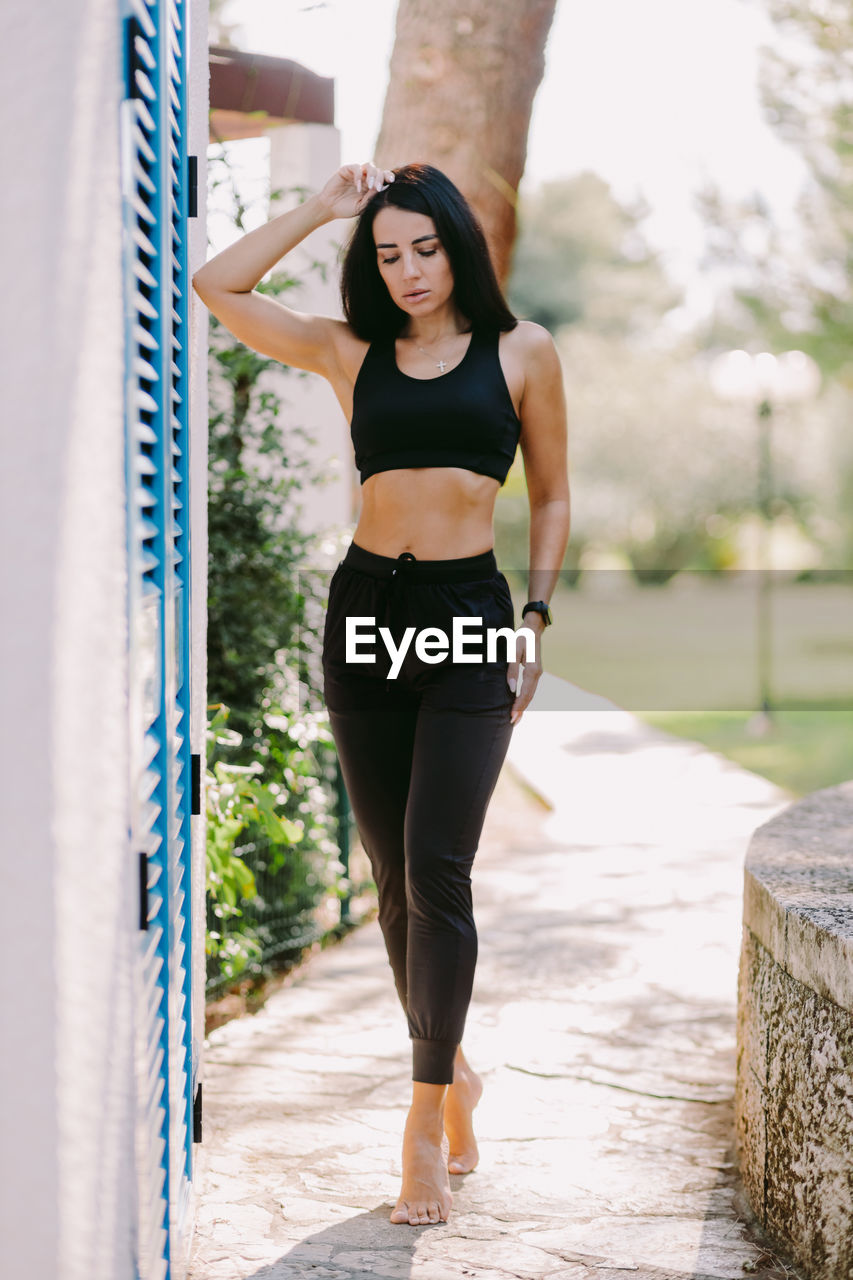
(526, 672)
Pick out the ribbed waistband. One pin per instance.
(459, 569)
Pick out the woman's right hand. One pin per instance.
(348, 191)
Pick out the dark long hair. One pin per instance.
(368, 305)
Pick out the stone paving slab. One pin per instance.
(602, 1023)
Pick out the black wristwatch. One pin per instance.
(539, 606)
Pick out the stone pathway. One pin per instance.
(602, 1022)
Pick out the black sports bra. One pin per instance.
(462, 418)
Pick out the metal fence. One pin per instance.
(285, 917)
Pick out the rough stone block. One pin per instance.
(794, 1089)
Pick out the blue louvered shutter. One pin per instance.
(154, 195)
(177, 286)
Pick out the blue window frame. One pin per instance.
(154, 171)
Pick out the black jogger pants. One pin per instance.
(420, 755)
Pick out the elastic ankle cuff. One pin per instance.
(432, 1061)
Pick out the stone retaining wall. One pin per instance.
(794, 1099)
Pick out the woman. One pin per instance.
(440, 383)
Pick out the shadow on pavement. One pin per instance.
(359, 1245)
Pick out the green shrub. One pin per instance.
(272, 799)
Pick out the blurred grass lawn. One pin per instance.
(803, 751)
(682, 657)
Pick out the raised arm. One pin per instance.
(226, 284)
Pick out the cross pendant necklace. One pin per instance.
(441, 365)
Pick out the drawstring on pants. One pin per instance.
(396, 584)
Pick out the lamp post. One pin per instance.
(764, 380)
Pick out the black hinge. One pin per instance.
(197, 1114)
(192, 186)
(143, 890)
(195, 784)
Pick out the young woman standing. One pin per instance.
(440, 383)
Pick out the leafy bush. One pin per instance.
(234, 797)
(271, 844)
(272, 802)
(254, 542)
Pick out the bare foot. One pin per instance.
(425, 1196)
(462, 1097)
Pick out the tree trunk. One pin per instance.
(462, 80)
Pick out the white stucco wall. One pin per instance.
(307, 155)
(66, 1082)
(70, 881)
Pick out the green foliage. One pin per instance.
(271, 837)
(258, 465)
(794, 290)
(580, 258)
(664, 475)
(805, 90)
(235, 796)
(651, 456)
(787, 290)
(662, 470)
(255, 546)
(272, 827)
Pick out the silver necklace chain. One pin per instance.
(441, 365)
